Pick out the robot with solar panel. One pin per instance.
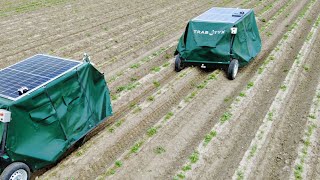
(47, 105)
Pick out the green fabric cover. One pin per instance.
(1, 130)
(51, 119)
(209, 42)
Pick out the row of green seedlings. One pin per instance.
(299, 57)
(136, 108)
(202, 85)
(163, 33)
(150, 133)
(134, 83)
(153, 130)
(254, 147)
(268, 7)
(309, 37)
(29, 6)
(194, 157)
(256, 5)
(301, 15)
(228, 115)
(253, 150)
(161, 51)
(159, 36)
(279, 12)
(285, 37)
(283, 87)
(208, 137)
(298, 169)
(115, 58)
(137, 146)
(316, 25)
(88, 144)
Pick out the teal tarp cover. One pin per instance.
(51, 119)
(207, 38)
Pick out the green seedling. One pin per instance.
(120, 89)
(110, 172)
(156, 69)
(114, 97)
(135, 66)
(159, 150)
(152, 131)
(250, 85)
(150, 98)
(242, 94)
(136, 147)
(270, 116)
(156, 84)
(111, 129)
(194, 157)
(168, 116)
(253, 151)
(225, 117)
(283, 87)
(118, 164)
(186, 168)
(166, 64)
(119, 123)
(240, 175)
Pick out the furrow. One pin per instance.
(280, 101)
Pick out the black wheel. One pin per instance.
(16, 171)
(178, 65)
(233, 69)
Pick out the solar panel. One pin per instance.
(33, 73)
(224, 15)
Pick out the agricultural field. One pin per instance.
(194, 124)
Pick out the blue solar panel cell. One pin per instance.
(32, 73)
(223, 15)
